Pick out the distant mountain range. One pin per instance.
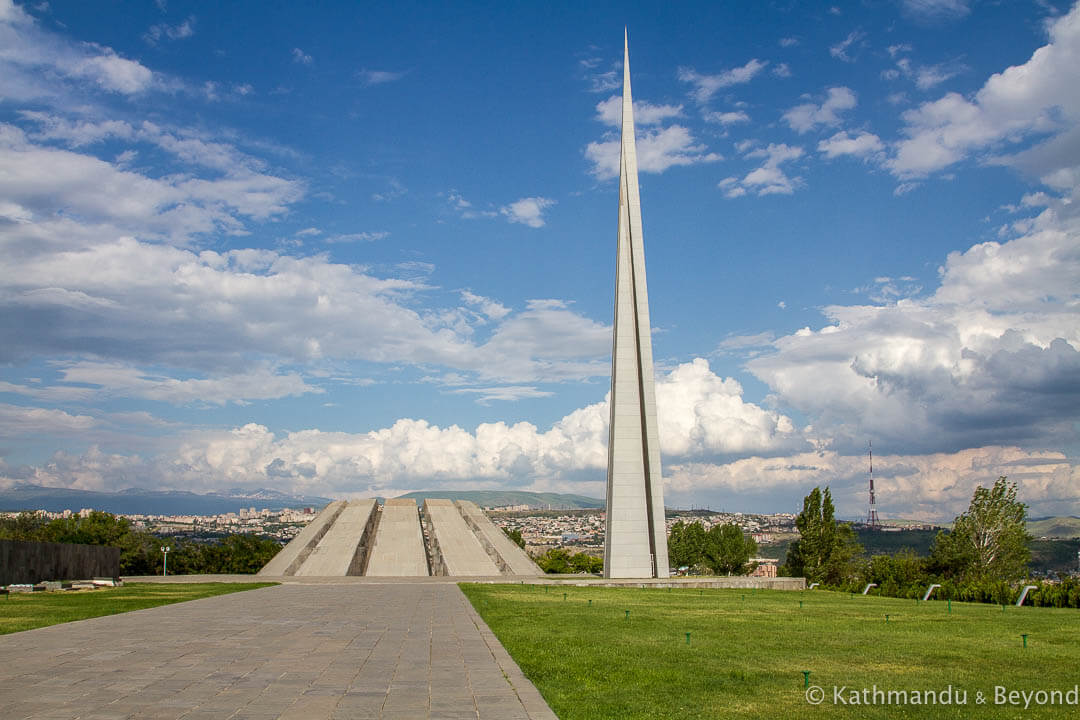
(139, 501)
(504, 498)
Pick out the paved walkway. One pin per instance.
(306, 650)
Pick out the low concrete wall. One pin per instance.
(33, 562)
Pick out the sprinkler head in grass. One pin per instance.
(806, 678)
(627, 614)
(688, 639)
(886, 619)
(1023, 636)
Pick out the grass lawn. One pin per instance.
(748, 651)
(25, 611)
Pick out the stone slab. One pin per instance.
(290, 555)
(462, 553)
(399, 544)
(335, 554)
(515, 560)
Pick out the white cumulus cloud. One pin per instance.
(705, 86)
(806, 117)
(527, 211)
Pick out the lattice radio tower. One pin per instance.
(871, 514)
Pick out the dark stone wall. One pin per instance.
(33, 562)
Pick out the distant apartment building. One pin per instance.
(766, 567)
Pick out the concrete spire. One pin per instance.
(636, 539)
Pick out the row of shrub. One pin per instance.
(560, 561)
(1062, 593)
(907, 575)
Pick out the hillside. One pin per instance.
(1054, 527)
(503, 498)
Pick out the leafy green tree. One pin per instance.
(139, 553)
(826, 550)
(559, 561)
(515, 535)
(555, 561)
(723, 549)
(686, 544)
(903, 574)
(585, 563)
(728, 551)
(26, 527)
(989, 541)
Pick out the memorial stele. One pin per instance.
(635, 545)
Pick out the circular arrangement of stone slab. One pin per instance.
(400, 539)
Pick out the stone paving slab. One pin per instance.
(303, 650)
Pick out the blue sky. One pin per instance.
(367, 250)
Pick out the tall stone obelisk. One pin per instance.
(636, 539)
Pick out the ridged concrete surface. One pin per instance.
(280, 563)
(399, 544)
(517, 560)
(462, 553)
(335, 552)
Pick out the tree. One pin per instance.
(825, 549)
(559, 561)
(585, 563)
(723, 549)
(728, 550)
(902, 574)
(686, 544)
(139, 553)
(989, 541)
(555, 561)
(515, 535)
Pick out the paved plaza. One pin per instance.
(329, 649)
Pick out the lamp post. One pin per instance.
(165, 561)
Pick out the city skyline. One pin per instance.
(353, 251)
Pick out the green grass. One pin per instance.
(25, 611)
(748, 650)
